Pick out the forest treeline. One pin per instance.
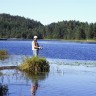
(25, 28)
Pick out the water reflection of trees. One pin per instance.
(3, 89)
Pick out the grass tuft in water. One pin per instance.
(3, 54)
(35, 65)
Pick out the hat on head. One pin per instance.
(35, 37)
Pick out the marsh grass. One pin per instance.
(3, 54)
(35, 65)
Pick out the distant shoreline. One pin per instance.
(21, 39)
(81, 40)
(73, 40)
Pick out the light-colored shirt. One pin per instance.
(34, 44)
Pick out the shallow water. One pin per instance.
(72, 69)
(62, 80)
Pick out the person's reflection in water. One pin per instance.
(34, 88)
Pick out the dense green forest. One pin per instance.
(18, 27)
(25, 28)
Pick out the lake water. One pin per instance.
(53, 49)
(72, 69)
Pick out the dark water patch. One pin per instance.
(3, 90)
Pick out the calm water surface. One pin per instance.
(72, 69)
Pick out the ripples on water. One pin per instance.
(62, 80)
(72, 69)
(53, 49)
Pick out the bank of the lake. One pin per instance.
(69, 40)
(74, 40)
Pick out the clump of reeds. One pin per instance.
(35, 65)
(3, 54)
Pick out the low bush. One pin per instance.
(35, 65)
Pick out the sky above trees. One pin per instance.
(48, 11)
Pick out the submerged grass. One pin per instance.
(35, 65)
(3, 54)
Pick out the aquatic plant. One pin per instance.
(3, 90)
(35, 65)
(3, 54)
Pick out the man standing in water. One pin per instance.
(35, 46)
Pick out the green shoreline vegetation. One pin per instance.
(20, 39)
(25, 28)
(80, 40)
(89, 40)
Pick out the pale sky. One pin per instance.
(48, 11)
